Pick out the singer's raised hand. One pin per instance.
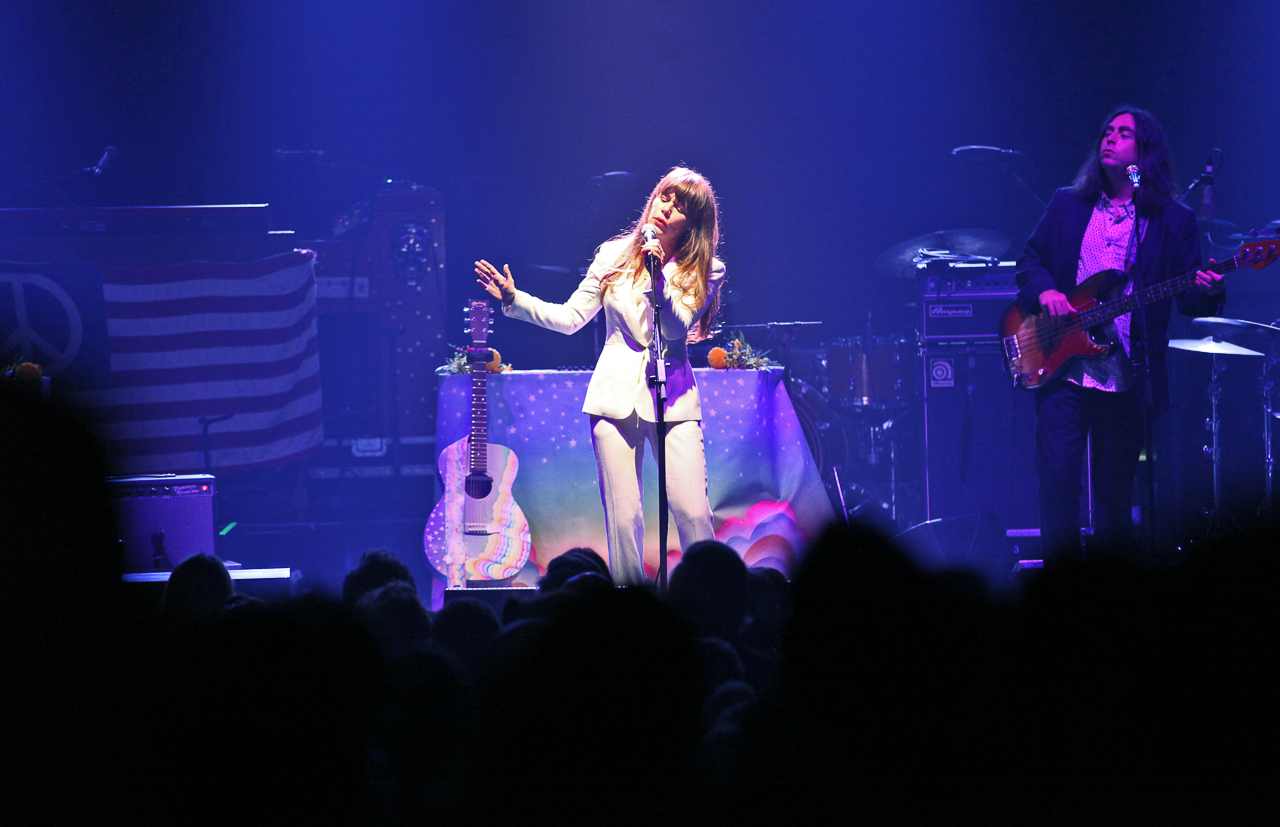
(499, 285)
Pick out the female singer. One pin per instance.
(619, 401)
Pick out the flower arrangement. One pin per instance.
(458, 363)
(739, 356)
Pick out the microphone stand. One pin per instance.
(658, 381)
(1143, 365)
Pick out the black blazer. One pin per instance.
(1170, 248)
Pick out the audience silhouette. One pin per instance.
(1098, 690)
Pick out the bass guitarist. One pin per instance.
(1086, 229)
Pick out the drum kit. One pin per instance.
(1235, 338)
(868, 387)
(868, 384)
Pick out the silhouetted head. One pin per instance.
(376, 568)
(709, 587)
(197, 590)
(573, 562)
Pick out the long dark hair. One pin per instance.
(1155, 162)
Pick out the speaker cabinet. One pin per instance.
(980, 438)
(164, 519)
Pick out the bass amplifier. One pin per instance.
(980, 437)
(963, 301)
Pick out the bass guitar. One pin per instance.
(477, 532)
(1037, 347)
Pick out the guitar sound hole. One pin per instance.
(478, 486)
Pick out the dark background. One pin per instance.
(826, 127)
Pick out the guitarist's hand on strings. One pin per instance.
(1209, 281)
(499, 285)
(1055, 303)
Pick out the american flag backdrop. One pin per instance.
(204, 340)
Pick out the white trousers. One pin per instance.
(619, 446)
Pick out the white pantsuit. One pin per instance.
(621, 403)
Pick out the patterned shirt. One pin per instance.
(1106, 240)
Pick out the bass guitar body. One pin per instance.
(477, 531)
(1038, 346)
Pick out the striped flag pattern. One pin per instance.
(203, 340)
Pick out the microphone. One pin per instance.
(1135, 177)
(975, 152)
(1206, 191)
(650, 233)
(108, 155)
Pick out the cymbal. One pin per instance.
(1208, 345)
(1268, 236)
(1219, 233)
(895, 262)
(1251, 335)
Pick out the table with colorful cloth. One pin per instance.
(766, 492)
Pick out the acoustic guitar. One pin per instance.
(1037, 347)
(477, 532)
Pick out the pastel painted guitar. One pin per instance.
(477, 532)
(1038, 346)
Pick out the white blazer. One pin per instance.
(619, 385)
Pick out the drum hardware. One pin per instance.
(1257, 339)
(870, 507)
(897, 261)
(1265, 388)
(857, 452)
(871, 382)
(871, 371)
(1213, 450)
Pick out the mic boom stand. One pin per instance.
(1146, 396)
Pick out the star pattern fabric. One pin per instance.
(756, 453)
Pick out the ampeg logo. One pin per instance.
(948, 311)
(942, 373)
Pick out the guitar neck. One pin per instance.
(1107, 311)
(479, 416)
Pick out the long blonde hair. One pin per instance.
(696, 247)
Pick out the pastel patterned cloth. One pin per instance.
(765, 490)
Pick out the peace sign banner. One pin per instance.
(54, 315)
